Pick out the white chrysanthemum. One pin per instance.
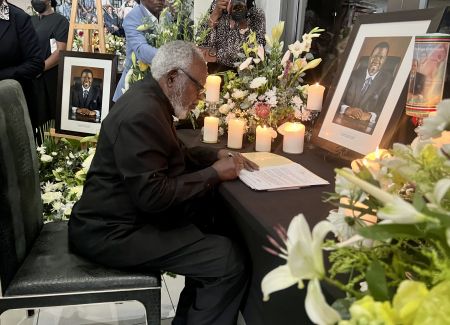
(76, 191)
(272, 101)
(297, 101)
(52, 187)
(238, 94)
(342, 230)
(41, 149)
(271, 92)
(57, 205)
(224, 109)
(49, 197)
(46, 158)
(252, 98)
(258, 82)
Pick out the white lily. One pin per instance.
(433, 125)
(316, 306)
(244, 65)
(395, 209)
(304, 262)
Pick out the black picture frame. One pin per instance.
(344, 141)
(71, 116)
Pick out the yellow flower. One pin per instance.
(143, 66)
(407, 300)
(434, 309)
(369, 311)
(277, 31)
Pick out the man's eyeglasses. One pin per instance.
(201, 90)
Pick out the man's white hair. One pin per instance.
(172, 56)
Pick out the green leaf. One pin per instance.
(419, 202)
(342, 306)
(384, 232)
(376, 281)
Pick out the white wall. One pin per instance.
(270, 7)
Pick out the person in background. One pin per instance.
(64, 8)
(231, 22)
(52, 30)
(112, 21)
(126, 7)
(135, 40)
(20, 54)
(144, 200)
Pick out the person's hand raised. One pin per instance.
(221, 5)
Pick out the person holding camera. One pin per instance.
(231, 21)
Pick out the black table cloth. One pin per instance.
(256, 213)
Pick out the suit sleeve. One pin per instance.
(136, 39)
(142, 155)
(32, 63)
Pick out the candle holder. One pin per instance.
(309, 124)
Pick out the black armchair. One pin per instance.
(37, 268)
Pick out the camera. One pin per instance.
(238, 10)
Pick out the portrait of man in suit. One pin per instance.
(86, 98)
(366, 92)
(416, 80)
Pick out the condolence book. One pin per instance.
(277, 173)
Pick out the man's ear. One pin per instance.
(171, 76)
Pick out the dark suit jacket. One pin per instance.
(416, 84)
(20, 54)
(93, 100)
(142, 182)
(19, 51)
(375, 96)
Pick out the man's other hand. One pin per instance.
(85, 112)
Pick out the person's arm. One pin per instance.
(215, 13)
(136, 39)
(32, 63)
(61, 31)
(143, 160)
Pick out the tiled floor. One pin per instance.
(121, 313)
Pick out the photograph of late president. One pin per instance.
(86, 95)
(370, 83)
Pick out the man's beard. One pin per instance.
(176, 99)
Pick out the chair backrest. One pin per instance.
(20, 200)
(391, 64)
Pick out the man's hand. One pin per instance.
(85, 112)
(248, 164)
(357, 114)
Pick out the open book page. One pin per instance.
(277, 173)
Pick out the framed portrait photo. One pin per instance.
(368, 94)
(86, 84)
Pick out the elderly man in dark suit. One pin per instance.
(85, 97)
(368, 88)
(145, 192)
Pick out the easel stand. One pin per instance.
(58, 136)
(88, 29)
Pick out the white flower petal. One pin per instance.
(400, 211)
(276, 280)
(440, 189)
(319, 312)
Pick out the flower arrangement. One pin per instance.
(115, 45)
(77, 44)
(174, 24)
(62, 172)
(393, 227)
(268, 87)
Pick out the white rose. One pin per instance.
(258, 82)
(224, 109)
(238, 94)
(46, 158)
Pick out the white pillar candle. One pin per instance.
(293, 137)
(235, 133)
(212, 87)
(264, 137)
(315, 97)
(211, 129)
